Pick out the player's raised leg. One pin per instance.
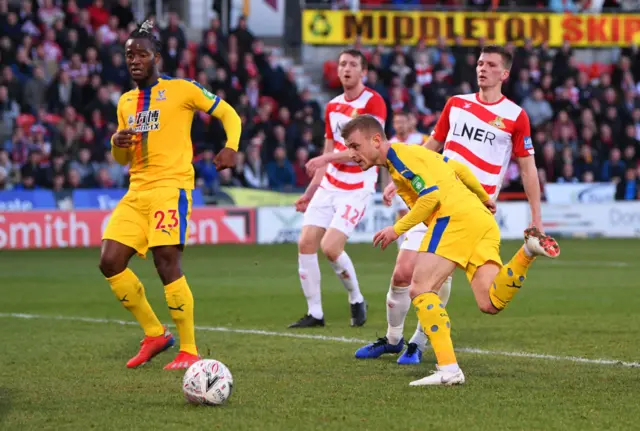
(309, 273)
(124, 236)
(429, 274)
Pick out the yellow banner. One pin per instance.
(333, 27)
(260, 198)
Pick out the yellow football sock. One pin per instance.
(130, 292)
(436, 324)
(180, 302)
(510, 279)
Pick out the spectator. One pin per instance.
(280, 171)
(254, 174)
(299, 168)
(85, 169)
(206, 173)
(116, 171)
(614, 168)
(537, 108)
(34, 171)
(568, 175)
(627, 188)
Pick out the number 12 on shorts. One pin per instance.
(352, 215)
(166, 219)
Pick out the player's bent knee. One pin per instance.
(331, 251)
(111, 265)
(402, 274)
(310, 238)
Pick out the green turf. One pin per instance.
(63, 375)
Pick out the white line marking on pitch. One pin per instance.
(330, 338)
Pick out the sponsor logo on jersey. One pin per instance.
(147, 121)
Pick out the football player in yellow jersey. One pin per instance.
(154, 137)
(446, 196)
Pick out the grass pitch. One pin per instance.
(70, 375)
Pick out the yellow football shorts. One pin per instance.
(469, 240)
(144, 219)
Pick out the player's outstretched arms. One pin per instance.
(232, 125)
(121, 143)
(470, 180)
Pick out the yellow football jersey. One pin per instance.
(417, 171)
(162, 115)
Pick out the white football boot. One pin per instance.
(540, 244)
(441, 378)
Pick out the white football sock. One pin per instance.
(398, 302)
(309, 272)
(343, 267)
(419, 337)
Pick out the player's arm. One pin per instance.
(421, 211)
(524, 152)
(319, 173)
(121, 154)
(469, 180)
(207, 102)
(416, 175)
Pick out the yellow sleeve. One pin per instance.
(420, 212)
(121, 155)
(203, 100)
(414, 173)
(469, 180)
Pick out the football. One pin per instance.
(207, 382)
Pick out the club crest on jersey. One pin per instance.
(131, 120)
(354, 113)
(497, 123)
(147, 121)
(161, 96)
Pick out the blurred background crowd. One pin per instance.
(63, 71)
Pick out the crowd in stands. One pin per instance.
(63, 71)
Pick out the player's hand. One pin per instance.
(303, 201)
(226, 158)
(388, 194)
(314, 164)
(125, 138)
(385, 237)
(491, 206)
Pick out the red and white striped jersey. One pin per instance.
(483, 136)
(414, 138)
(348, 176)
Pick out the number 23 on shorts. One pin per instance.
(166, 219)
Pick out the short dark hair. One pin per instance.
(145, 31)
(507, 57)
(355, 53)
(364, 123)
